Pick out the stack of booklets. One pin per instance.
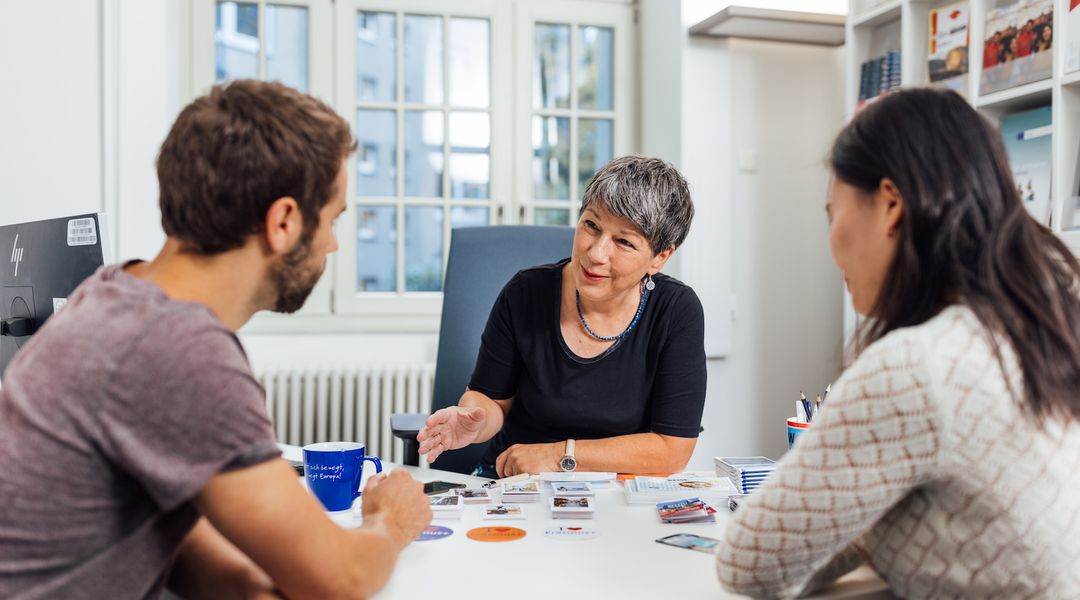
(578, 507)
(473, 495)
(448, 506)
(521, 492)
(746, 473)
(650, 490)
(689, 510)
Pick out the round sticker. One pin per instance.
(495, 534)
(434, 532)
(571, 533)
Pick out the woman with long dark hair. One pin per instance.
(948, 454)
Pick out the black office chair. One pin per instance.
(481, 261)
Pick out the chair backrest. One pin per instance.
(481, 261)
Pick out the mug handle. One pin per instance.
(378, 469)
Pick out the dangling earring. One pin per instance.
(649, 284)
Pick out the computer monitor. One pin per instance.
(41, 263)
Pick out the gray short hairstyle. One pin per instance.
(648, 192)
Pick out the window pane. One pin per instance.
(594, 68)
(376, 153)
(468, 216)
(470, 161)
(424, 153)
(551, 216)
(236, 41)
(551, 158)
(376, 248)
(287, 45)
(423, 59)
(376, 56)
(470, 80)
(594, 148)
(551, 67)
(423, 248)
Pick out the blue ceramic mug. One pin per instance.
(333, 471)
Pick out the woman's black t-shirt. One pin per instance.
(652, 380)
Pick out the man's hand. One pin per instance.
(529, 458)
(449, 429)
(397, 501)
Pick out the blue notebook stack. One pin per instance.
(747, 473)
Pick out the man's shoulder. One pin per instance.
(132, 322)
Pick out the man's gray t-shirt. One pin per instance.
(112, 418)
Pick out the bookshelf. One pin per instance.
(877, 26)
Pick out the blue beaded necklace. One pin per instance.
(647, 286)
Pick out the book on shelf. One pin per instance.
(879, 75)
(949, 39)
(1072, 22)
(1027, 138)
(1018, 47)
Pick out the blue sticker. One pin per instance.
(435, 532)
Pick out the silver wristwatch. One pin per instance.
(568, 462)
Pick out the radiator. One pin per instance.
(324, 405)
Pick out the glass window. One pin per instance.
(376, 56)
(423, 59)
(423, 248)
(287, 45)
(551, 67)
(424, 153)
(376, 175)
(594, 148)
(376, 248)
(594, 72)
(470, 63)
(470, 162)
(468, 216)
(236, 41)
(551, 216)
(551, 158)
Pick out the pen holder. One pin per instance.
(795, 428)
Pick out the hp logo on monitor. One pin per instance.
(16, 254)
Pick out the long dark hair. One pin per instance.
(965, 237)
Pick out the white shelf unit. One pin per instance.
(874, 27)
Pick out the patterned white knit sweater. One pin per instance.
(923, 464)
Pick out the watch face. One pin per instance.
(568, 463)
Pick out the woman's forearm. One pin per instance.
(496, 412)
(635, 453)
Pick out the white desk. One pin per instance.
(623, 562)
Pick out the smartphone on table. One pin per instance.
(691, 541)
(434, 488)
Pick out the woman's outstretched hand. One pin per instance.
(449, 429)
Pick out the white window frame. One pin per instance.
(334, 306)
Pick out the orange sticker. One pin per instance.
(495, 534)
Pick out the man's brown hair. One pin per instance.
(233, 152)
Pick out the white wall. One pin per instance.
(50, 110)
(757, 119)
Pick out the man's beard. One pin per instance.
(294, 278)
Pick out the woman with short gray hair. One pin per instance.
(597, 362)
